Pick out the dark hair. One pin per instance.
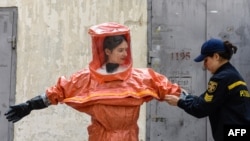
(230, 50)
(111, 42)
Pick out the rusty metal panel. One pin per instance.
(230, 20)
(178, 27)
(7, 69)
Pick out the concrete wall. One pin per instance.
(53, 41)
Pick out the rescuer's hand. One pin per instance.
(172, 99)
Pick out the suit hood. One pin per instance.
(98, 34)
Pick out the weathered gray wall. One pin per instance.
(53, 41)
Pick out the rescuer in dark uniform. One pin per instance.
(226, 100)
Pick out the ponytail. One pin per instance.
(230, 50)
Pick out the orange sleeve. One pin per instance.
(163, 85)
(65, 88)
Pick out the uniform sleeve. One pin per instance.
(206, 103)
(163, 85)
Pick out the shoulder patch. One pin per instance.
(212, 86)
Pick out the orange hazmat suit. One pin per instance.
(113, 99)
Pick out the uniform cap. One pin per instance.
(209, 47)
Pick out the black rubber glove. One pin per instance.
(17, 112)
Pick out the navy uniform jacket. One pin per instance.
(226, 101)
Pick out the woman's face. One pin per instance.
(212, 63)
(119, 54)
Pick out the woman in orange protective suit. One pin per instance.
(110, 90)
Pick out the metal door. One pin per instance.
(177, 29)
(7, 68)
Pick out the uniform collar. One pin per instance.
(226, 65)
